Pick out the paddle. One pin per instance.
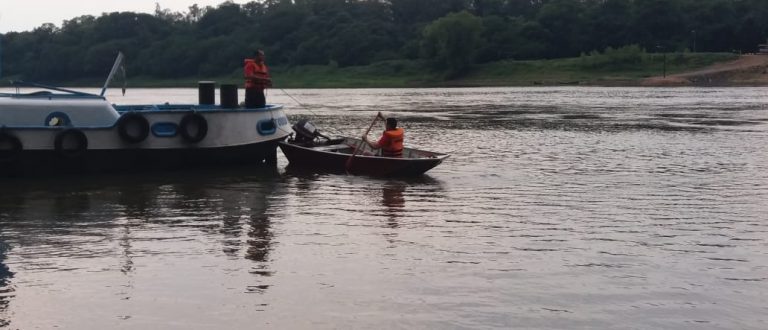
(360, 145)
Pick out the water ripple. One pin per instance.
(559, 208)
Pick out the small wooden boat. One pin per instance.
(336, 155)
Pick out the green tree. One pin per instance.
(452, 34)
(657, 22)
(451, 42)
(607, 25)
(563, 20)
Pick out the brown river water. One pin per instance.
(559, 208)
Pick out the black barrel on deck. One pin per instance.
(228, 96)
(206, 92)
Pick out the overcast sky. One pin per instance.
(25, 15)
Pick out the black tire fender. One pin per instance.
(133, 127)
(71, 143)
(193, 127)
(10, 147)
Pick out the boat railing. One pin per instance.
(171, 107)
(47, 92)
(162, 107)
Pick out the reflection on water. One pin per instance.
(393, 201)
(70, 224)
(6, 292)
(559, 208)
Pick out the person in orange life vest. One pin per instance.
(391, 141)
(257, 79)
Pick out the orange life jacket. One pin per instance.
(251, 68)
(394, 147)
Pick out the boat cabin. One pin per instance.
(23, 110)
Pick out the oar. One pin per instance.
(360, 145)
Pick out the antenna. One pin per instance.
(115, 67)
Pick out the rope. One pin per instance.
(299, 103)
(332, 130)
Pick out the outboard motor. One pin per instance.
(306, 132)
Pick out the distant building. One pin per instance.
(762, 49)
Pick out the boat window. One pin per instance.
(40, 93)
(266, 127)
(165, 129)
(57, 119)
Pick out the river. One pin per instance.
(559, 208)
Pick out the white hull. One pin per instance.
(225, 129)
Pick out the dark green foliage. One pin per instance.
(450, 34)
(613, 59)
(451, 42)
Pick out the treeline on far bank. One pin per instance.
(449, 36)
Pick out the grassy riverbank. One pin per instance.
(588, 70)
(585, 70)
(611, 69)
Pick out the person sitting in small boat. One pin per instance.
(256, 80)
(391, 141)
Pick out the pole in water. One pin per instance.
(1, 55)
(1, 51)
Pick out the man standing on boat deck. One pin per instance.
(391, 141)
(256, 80)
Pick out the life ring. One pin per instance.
(133, 127)
(71, 143)
(193, 127)
(10, 147)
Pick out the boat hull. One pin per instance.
(51, 163)
(324, 157)
(158, 139)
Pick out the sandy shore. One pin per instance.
(747, 70)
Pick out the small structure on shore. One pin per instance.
(762, 49)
